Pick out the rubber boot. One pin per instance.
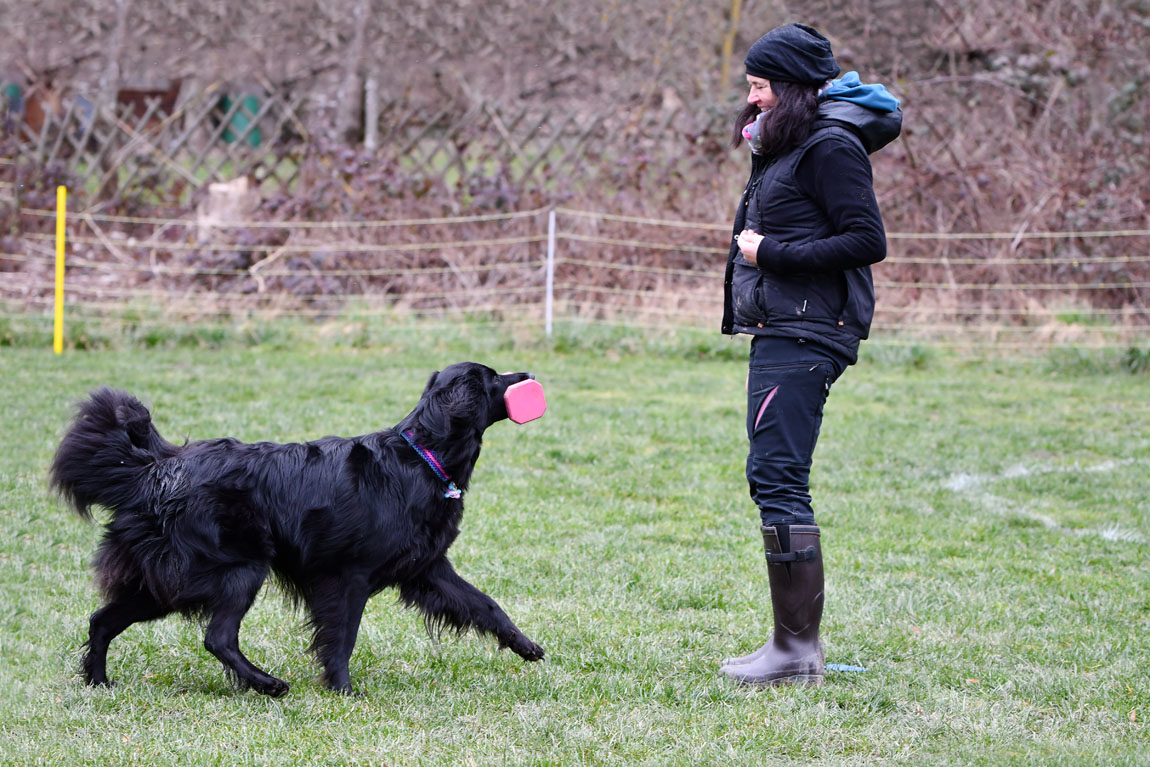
(793, 654)
(768, 547)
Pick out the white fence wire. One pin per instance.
(542, 266)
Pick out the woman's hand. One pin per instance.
(748, 242)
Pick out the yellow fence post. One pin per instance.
(61, 208)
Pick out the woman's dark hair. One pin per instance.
(788, 123)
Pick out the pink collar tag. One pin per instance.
(525, 401)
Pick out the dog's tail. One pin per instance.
(106, 452)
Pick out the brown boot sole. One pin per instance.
(806, 680)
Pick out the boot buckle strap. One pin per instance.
(809, 554)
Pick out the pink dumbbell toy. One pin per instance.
(525, 401)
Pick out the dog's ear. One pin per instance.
(467, 401)
(431, 382)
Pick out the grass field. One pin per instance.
(986, 527)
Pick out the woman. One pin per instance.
(798, 280)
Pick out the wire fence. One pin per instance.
(534, 268)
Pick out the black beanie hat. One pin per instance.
(793, 53)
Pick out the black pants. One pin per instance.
(787, 387)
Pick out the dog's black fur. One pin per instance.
(195, 529)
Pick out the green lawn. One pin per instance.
(986, 526)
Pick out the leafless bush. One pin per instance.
(1021, 117)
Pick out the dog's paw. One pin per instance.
(272, 687)
(343, 688)
(526, 649)
(94, 673)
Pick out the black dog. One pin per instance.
(195, 529)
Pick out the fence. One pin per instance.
(149, 140)
(171, 145)
(533, 268)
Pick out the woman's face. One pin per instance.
(761, 94)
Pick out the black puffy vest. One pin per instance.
(831, 308)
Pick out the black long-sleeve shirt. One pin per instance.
(836, 174)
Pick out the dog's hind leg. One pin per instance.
(109, 622)
(446, 598)
(336, 609)
(222, 637)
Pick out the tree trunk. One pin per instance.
(348, 123)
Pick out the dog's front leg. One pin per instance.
(336, 606)
(445, 598)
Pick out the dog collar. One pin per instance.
(432, 461)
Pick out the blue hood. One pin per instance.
(867, 110)
(850, 88)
